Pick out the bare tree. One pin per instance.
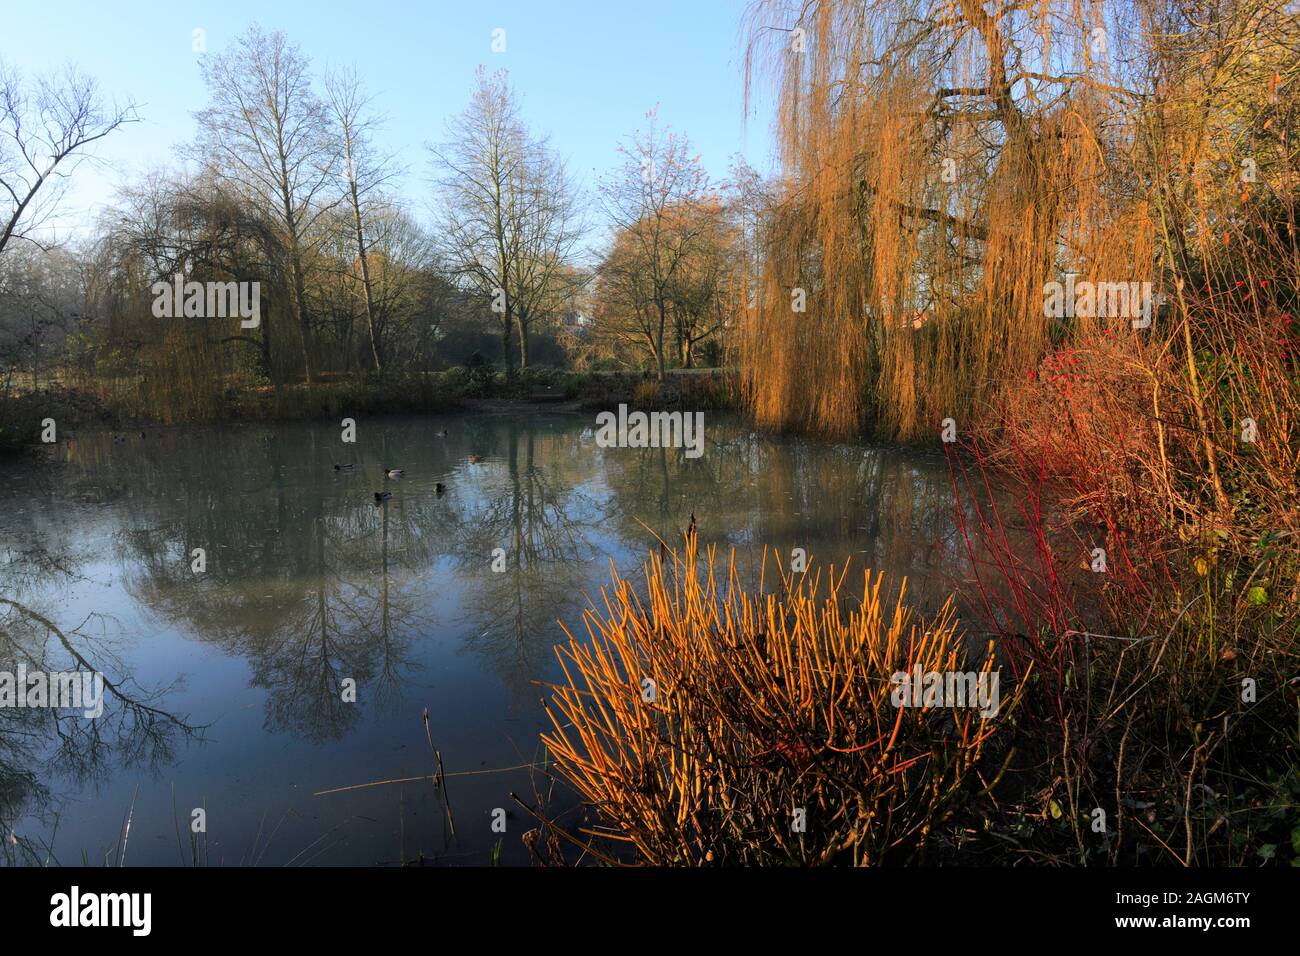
(401, 255)
(547, 229)
(701, 293)
(44, 132)
(508, 214)
(265, 129)
(645, 200)
(38, 305)
(366, 174)
(624, 314)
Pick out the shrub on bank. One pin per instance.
(21, 415)
(708, 724)
(1165, 645)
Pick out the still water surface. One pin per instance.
(228, 684)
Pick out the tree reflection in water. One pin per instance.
(308, 582)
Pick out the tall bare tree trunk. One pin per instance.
(523, 320)
(365, 277)
(659, 339)
(299, 300)
(507, 356)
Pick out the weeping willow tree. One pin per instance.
(943, 160)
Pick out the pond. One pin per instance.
(227, 688)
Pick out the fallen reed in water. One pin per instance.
(709, 724)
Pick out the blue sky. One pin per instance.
(588, 70)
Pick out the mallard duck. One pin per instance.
(475, 459)
(393, 473)
(382, 496)
(441, 433)
(343, 467)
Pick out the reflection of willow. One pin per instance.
(885, 508)
(37, 743)
(312, 588)
(534, 514)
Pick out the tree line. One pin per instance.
(284, 184)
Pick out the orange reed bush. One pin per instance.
(709, 724)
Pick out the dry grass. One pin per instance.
(761, 703)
